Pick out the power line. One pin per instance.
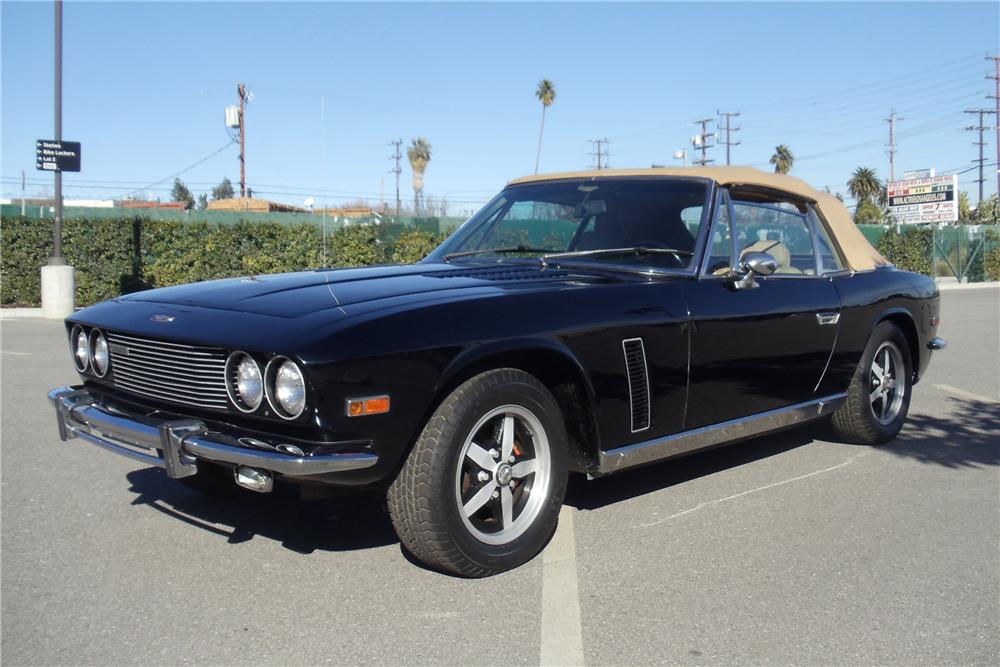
(729, 129)
(175, 175)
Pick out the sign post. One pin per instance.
(58, 278)
(924, 200)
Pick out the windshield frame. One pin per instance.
(488, 215)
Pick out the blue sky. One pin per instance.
(146, 84)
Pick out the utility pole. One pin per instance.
(58, 259)
(981, 143)
(600, 157)
(58, 279)
(892, 143)
(700, 142)
(245, 96)
(397, 155)
(996, 100)
(729, 115)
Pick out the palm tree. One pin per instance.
(546, 94)
(419, 154)
(864, 185)
(782, 159)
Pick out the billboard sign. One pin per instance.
(924, 200)
(918, 173)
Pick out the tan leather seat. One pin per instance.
(775, 249)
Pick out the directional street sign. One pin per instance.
(52, 155)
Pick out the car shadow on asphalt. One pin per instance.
(349, 522)
(968, 437)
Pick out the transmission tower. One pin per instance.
(397, 155)
(700, 142)
(981, 128)
(599, 155)
(728, 129)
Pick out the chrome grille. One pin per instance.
(187, 374)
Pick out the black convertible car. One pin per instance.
(586, 322)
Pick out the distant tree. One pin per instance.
(181, 193)
(223, 190)
(202, 201)
(865, 185)
(546, 94)
(782, 159)
(419, 154)
(868, 212)
(964, 208)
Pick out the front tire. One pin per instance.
(480, 491)
(878, 398)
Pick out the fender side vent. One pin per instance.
(638, 383)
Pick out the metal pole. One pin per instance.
(243, 136)
(57, 251)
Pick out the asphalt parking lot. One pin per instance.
(787, 549)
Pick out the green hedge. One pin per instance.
(991, 264)
(113, 257)
(910, 249)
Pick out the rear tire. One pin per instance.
(878, 398)
(480, 491)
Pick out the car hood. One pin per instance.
(349, 290)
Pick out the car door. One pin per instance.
(761, 348)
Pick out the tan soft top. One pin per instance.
(858, 252)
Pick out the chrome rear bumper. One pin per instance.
(177, 445)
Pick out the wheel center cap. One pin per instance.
(504, 474)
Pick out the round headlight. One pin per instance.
(81, 351)
(287, 388)
(99, 353)
(244, 382)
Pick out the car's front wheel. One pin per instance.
(878, 398)
(481, 489)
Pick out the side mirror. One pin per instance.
(752, 264)
(761, 263)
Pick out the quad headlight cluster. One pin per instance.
(90, 351)
(281, 384)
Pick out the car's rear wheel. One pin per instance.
(481, 489)
(878, 398)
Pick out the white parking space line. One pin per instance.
(965, 394)
(562, 634)
(15, 354)
(709, 503)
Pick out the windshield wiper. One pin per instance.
(520, 248)
(598, 252)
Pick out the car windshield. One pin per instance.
(651, 223)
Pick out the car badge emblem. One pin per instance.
(162, 318)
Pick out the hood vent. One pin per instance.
(502, 274)
(638, 383)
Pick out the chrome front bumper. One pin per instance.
(177, 445)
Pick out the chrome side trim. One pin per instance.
(669, 446)
(827, 318)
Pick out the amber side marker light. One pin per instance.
(372, 405)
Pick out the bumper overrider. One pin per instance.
(176, 445)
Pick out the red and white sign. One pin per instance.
(924, 200)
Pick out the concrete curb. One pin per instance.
(20, 313)
(946, 286)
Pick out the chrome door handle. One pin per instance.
(827, 318)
